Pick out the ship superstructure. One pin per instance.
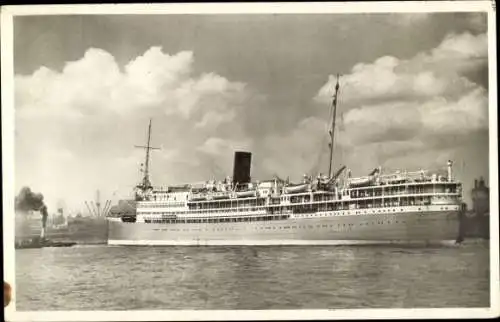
(326, 209)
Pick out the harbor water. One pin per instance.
(278, 277)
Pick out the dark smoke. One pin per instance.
(27, 200)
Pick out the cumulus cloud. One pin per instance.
(297, 152)
(95, 84)
(439, 72)
(427, 93)
(95, 110)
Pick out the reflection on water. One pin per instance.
(277, 277)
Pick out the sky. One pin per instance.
(413, 94)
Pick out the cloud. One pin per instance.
(95, 110)
(439, 72)
(216, 146)
(297, 152)
(427, 93)
(95, 84)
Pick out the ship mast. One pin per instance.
(332, 131)
(146, 183)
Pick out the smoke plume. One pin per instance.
(27, 201)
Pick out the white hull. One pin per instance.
(382, 228)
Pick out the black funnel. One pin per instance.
(242, 164)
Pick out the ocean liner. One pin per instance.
(380, 208)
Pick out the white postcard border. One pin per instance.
(7, 114)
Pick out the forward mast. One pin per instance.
(145, 185)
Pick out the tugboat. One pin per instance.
(36, 242)
(40, 242)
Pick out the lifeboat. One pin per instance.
(244, 194)
(220, 195)
(198, 197)
(360, 181)
(395, 179)
(297, 188)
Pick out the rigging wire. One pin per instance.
(329, 127)
(314, 170)
(341, 125)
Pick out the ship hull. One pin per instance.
(422, 227)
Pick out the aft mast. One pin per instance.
(146, 183)
(332, 131)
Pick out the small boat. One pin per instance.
(395, 179)
(296, 189)
(243, 194)
(220, 195)
(28, 245)
(353, 182)
(41, 243)
(197, 197)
